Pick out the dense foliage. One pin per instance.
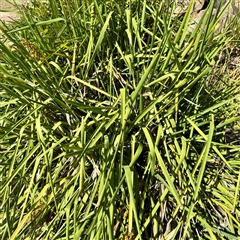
(108, 128)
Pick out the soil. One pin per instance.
(200, 7)
(8, 13)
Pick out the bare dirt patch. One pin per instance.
(7, 11)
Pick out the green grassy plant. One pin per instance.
(107, 128)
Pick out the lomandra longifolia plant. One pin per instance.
(106, 128)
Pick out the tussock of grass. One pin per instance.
(108, 130)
